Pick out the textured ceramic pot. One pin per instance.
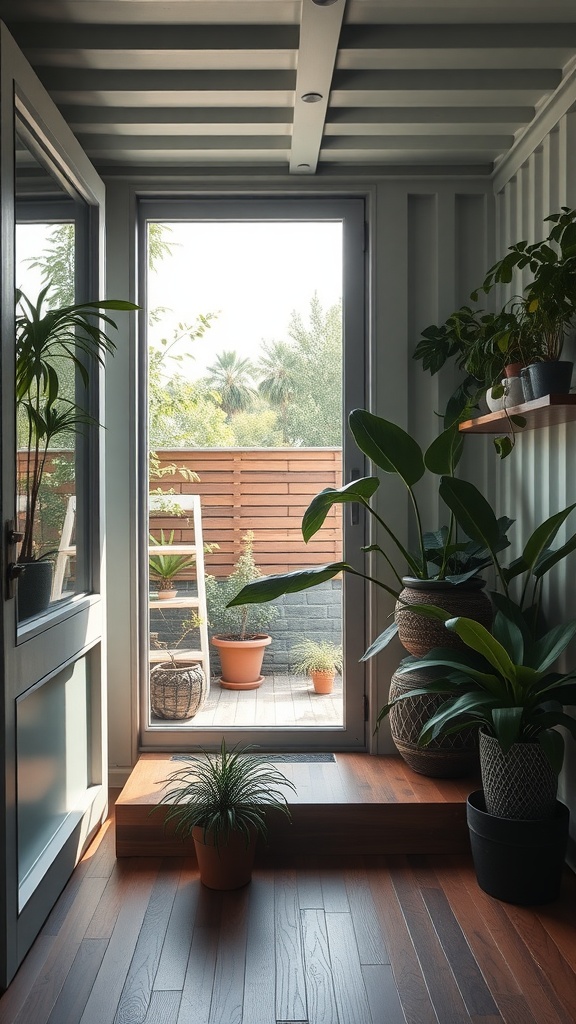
(177, 691)
(417, 634)
(553, 377)
(519, 784)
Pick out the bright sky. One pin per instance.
(252, 274)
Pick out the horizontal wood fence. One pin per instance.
(265, 490)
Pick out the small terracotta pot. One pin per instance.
(228, 865)
(166, 595)
(241, 661)
(513, 369)
(323, 681)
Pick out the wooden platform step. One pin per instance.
(357, 804)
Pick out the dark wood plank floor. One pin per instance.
(339, 940)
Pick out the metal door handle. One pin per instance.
(13, 569)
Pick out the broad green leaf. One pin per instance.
(507, 633)
(479, 639)
(471, 510)
(387, 446)
(450, 659)
(381, 642)
(503, 446)
(552, 744)
(507, 726)
(543, 536)
(427, 611)
(266, 588)
(319, 507)
(444, 453)
(545, 651)
(548, 561)
(472, 704)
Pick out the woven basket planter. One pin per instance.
(520, 784)
(419, 635)
(177, 692)
(444, 758)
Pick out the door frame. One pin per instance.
(43, 650)
(327, 206)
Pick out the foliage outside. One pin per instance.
(240, 622)
(312, 656)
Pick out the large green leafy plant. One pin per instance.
(53, 347)
(501, 681)
(229, 791)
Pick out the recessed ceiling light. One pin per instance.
(305, 167)
(324, 3)
(312, 97)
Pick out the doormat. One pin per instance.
(306, 758)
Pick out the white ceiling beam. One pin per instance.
(319, 36)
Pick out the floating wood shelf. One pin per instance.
(542, 412)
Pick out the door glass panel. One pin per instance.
(50, 447)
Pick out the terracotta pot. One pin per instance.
(228, 866)
(166, 595)
(323, 681)
(419, 635)
(241, 661)
(513, 369)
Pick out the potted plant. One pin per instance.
(165, 567)
(239, 636)
(503, 684)
(178, 686)
(221, 800)
(53, 346)
(321, 660)
(549, 299)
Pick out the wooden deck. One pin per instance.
(354, 804)
(281, 700)
(327, 940)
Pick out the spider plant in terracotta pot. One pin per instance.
(54, 348)
(221, 799)
(320, 660)
(239, 632)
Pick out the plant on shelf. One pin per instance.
(165, 567)
(54, 347)
(503, 683)
(321, 660)
(239, 632)
(222, 799)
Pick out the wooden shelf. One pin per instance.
(174, 602)
(542, 412)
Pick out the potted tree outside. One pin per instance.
(51, 346)
(221, 800)
(503, 684)
(320, 660)
(239, 632)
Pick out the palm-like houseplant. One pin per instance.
(165, 567)
(52, 346)
(221, 799)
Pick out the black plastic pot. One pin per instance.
(518, 861)
(552, 377)
(34, 588)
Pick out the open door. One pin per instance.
(53, 765)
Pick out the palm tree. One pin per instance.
(277, 368)
(231, 377)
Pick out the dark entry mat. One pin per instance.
(306, 758)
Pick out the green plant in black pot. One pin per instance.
(54, 347)
(222, 800)
(504, 683)
(549, 299)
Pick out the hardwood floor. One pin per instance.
(338, 940)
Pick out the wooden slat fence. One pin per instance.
(265, 490)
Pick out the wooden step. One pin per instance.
(356, 804)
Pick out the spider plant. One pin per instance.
(224, 793)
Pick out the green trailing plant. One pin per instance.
(316, 656)
(166, 567)
(396, 453)
(502, 682)
(243, 621)
(549, 299)
(224, 792)
(50, 343)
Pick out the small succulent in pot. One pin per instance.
(165, 567)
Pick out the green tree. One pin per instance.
(314, 418)
(277, 368)
(231, 377)
(56, 264)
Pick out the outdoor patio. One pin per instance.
(281, 701)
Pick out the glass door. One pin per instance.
(53, 768)
(255, 355)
